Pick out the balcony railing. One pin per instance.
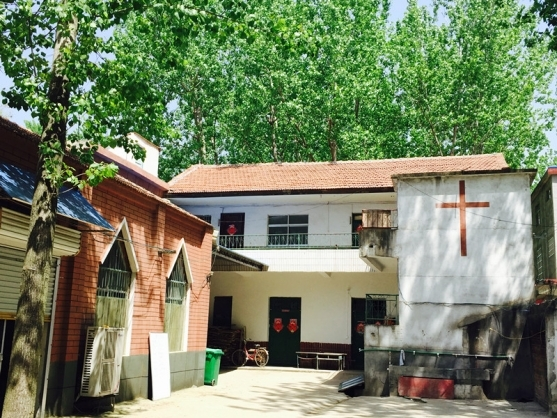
(290, 241)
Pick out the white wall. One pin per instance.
(326, 300)
(328, 214)
(441, 291)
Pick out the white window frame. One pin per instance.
(189, 283)
(134, 267)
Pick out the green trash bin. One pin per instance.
(212, 365)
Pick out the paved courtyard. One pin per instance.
(278, 392)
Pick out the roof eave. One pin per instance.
(358, 190)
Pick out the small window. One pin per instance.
(115, 274)
(538, 215)
(382, 309)
(206, 218)
(176, 305)
(288, 230)
(176, 283)
(548, 194)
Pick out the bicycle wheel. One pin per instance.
(261, 357)
(239, 358)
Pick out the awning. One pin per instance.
(19, 184)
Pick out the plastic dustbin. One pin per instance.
(212, 365)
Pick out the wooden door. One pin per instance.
(357, 334)
(284, 331)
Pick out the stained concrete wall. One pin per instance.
(450, 301)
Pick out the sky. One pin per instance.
(397, 12)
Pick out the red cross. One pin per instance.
(462, 205)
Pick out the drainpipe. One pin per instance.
(50, 334)
(434, 353)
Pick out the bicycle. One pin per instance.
(259, 355)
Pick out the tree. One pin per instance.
(46, 49)
(333, 80)
(468, 83)
(546, 10)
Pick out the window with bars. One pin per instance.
(115, 274)
(176, 283)
(288, 230)
(382, 309)
(176, 305)
(206, 218)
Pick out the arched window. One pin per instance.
(115, 275)
(115, 285)
(176, 313)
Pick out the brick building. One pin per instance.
(125, 258)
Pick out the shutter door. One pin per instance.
(11, 266)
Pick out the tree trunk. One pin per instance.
(25, 360)
(272, 119)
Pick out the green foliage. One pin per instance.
(334, 80)
(33, 126)
(468, 84)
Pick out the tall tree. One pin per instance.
(46, 49)
(469, 84)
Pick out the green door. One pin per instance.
(357, 340)
(284, 331)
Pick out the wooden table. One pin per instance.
(338, 357)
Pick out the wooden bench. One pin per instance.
(317, 356)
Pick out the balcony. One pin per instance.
(324, 253)
(378, 237)
(290, 241)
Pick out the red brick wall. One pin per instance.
(153, 225)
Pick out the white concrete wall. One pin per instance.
(327, 260)
(441, 291)
(151, 162)
(326, 215)
(326, 300)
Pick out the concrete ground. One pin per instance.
(282, 392)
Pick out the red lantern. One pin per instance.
(231, 229)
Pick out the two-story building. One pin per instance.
(302, 220)
(463, 242)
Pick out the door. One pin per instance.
(357, 335)
(232, 230)
(356, 226)
(284, 331)
(222, 311)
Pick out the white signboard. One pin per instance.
(160, 365)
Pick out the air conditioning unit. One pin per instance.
(103, 361)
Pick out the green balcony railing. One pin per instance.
(290, 241)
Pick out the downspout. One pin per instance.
(435, 353)
(50, 335)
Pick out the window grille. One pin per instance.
(176, 283)
(288, 230)
(206, 218)
(115, 274)
(382, 309)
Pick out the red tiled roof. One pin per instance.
(343, 175)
